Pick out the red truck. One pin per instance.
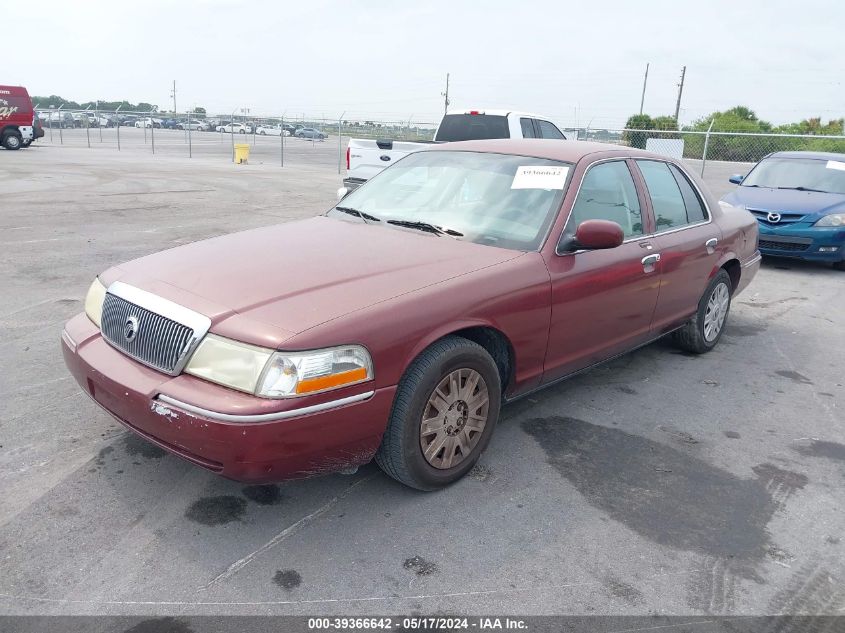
(18, 122)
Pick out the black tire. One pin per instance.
(400, 454)
(691, 337)
(839, 265)
(12, 140)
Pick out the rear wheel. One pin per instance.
(702, 332)
(12, 140)
(443, 416)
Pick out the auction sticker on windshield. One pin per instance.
(540, 177)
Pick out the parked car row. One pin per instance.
(67, 119)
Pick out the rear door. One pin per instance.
(685, 237)
(15, 106)
(603, 300)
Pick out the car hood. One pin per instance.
(297, 275)
(787, 200)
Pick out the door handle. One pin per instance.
(649, 262)
(711, 245)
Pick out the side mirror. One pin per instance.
(594, 235)
(342, 193)
(736, 179)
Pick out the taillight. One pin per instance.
(474, 112)
(347, 159)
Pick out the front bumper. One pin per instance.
(237, 435)
(803, 241)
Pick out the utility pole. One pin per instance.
(173, 94)
(680, 92)
(645, 81)
(446, 95)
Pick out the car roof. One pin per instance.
(552, 149)
(488, 112)
(815, 155)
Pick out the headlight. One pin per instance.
(272, 374)
(298, 373)
(834, 219)
(227, 362)
(94, 301)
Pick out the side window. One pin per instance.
(527, 128)
(548, 130)
(608, 193)
(695, 207)
(666, 199)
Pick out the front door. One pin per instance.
(603, 300)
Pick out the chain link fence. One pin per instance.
(723, 147)
(279, 138)
(322, 141)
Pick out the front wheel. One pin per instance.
(702, 332)
(444, 413)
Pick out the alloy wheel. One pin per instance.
(454, 418)
(717, 310)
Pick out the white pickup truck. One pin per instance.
(366, 158)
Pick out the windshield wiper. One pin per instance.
(358, 214)
(425, 226)
(799, 188)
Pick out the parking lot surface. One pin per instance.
(659, 483)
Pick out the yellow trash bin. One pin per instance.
(241, 153)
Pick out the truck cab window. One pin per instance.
(549, 130)
(527, 126)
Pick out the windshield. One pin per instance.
(494, 199)
(798, 173)
(472, 127)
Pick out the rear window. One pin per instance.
(472, 127)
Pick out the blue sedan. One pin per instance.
(798, 199)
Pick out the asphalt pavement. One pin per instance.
(659, 483)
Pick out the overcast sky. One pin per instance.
(577, 62)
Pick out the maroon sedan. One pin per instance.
(396, 325)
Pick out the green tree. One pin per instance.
(637, 122)
(664, 123)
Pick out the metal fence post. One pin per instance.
(61, 125)
(152, 132)
(282, 141)
(706, 143)
(340, 142)
(117, 122)
(188, 125)
(232, 130)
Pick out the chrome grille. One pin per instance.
(159, 342)
(785, 218)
